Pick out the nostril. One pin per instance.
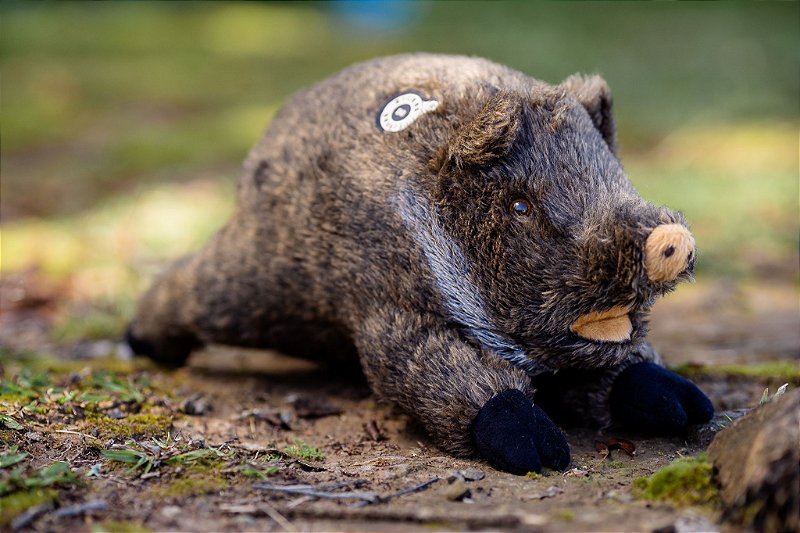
(670, 250)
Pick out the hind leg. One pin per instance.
(189, 305)
(228, 293)
(162, 328)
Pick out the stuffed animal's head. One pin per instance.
(551, 258)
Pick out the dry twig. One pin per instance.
(365, 498)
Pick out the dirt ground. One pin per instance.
(268, 425)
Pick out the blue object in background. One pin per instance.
(377, 16)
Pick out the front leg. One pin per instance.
(638, 394)
(469, 400)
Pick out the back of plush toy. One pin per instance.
(464, 229)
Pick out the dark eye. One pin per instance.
(521, 207)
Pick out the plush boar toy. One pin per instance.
(469, 234)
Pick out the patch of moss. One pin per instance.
(252, 471)
(533, 475)
(778, 371)
(115, 526)
(17, 503)
(196, 480)
(11, 436)
(567, 515)
(685, 481)
(12, 401)
(37, 364)
(142, 425)
(301, 450)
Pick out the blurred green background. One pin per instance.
(124, 123)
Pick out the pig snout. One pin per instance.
(668, 251)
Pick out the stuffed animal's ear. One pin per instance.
(593, 93)
(487, 136)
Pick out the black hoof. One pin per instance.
(652, 399)
(518, 437)
(172, 353)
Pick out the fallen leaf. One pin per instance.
(604, 447)
(625, 445)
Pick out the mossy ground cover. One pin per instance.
(73, 414)
(121, 424)
(14, 504)
(101, 403)
(685, 481)
(46, 402)
(772, 372)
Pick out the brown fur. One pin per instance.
(400, 248)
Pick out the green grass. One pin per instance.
(738, 220)
(97, 386)
(784, 371)
(10, 422)
(95, 324)
(262, 474)
(301, 450)
(108, 253)
(10, 457)
(19, 480)
(101, 403)
(105, 95)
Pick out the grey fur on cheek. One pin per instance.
(461, 297)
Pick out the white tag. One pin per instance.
(402, 110)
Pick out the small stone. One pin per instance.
(577, 472)
(457, 491)
(550, 492)
(453, 476)
(472, 474)
(170, 512)
(196, 405)
(398, 471)
(616, 495)
(533, 520)
(694, 524)
(97, 349)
